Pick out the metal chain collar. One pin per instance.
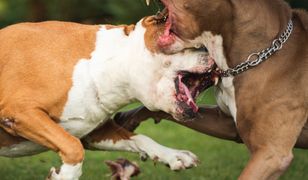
(257, 58)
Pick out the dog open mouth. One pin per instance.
(168, 37)
(189, 85)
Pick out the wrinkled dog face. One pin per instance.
(190, 18)
(180, 81)
(170, 82)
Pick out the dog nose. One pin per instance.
(189, 113)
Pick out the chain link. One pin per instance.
(257, 58)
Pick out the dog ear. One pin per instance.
(249, 8)
(149, 21)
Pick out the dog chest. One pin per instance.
(82, 112)
(93, 96)
(225, 97)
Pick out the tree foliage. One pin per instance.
(85, 11)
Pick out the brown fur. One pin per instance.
(110, 131)
(154, 29)
(7, 140)
(272, 99)
(152, 33)
(30, 53)
(127, 29)
(36, 65)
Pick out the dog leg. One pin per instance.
(210, 120)
(113, 137)
(130, 120)
(36, 125)
(270, 141)
(302, 141)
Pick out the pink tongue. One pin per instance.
(190, 101)
(168, 27)
(167, 38)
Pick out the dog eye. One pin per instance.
(201, 48)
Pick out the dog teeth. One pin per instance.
(148, 2)
(198, 93)
(216, 80)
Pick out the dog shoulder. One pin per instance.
(40, 58)
(48, 29)
(50, 37)
(57, 26)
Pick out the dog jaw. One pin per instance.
(156, 87)
(158, 91)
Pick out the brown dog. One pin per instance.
(267, 97)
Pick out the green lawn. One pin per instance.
(219, 159)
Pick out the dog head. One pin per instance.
(190, 18)
(164, 81)
(198, 21)
(218, 23)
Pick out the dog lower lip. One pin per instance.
(177, 88)
(187, 91)
(188, 112)
(189, 85)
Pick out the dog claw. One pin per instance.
(178, 160)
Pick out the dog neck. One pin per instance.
(246, 34)
(256, 24)
(114, 72)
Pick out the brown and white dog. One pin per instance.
(60, 82)
(269, 103)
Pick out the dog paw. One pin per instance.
(67, 172)
(177, 159)
(53, 174)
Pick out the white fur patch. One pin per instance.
(176, 159)
(225, 92)
(67, 172)
(97, 91)
(122, 70)
(82, 111)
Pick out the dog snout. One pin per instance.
(206, 60)
(187, 112)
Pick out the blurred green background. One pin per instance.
(85, 11)
(219, 159)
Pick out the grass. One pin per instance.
(219, 159)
